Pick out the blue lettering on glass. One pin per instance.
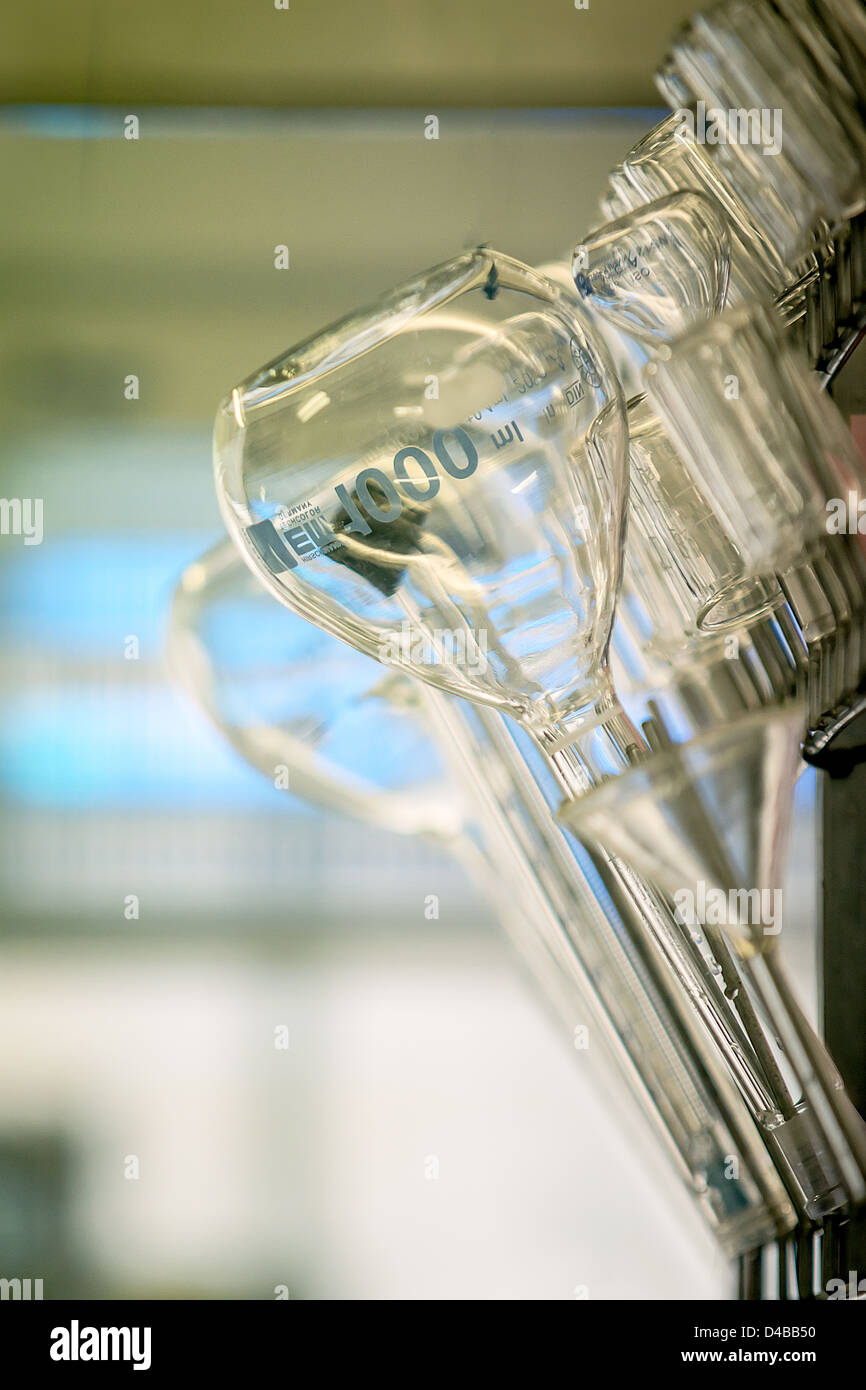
(411, 485)
(372, 495)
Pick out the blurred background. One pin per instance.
(428, 1132)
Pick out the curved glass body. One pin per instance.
(442, 481)
(655, 271)
(293, 701)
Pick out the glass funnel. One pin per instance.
(441, 480)
(707, 822)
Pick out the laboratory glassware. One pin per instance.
(512, 537)
(287, 696)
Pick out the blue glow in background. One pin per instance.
(91, 740)
(83, 738)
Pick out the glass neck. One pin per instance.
(587, 744)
